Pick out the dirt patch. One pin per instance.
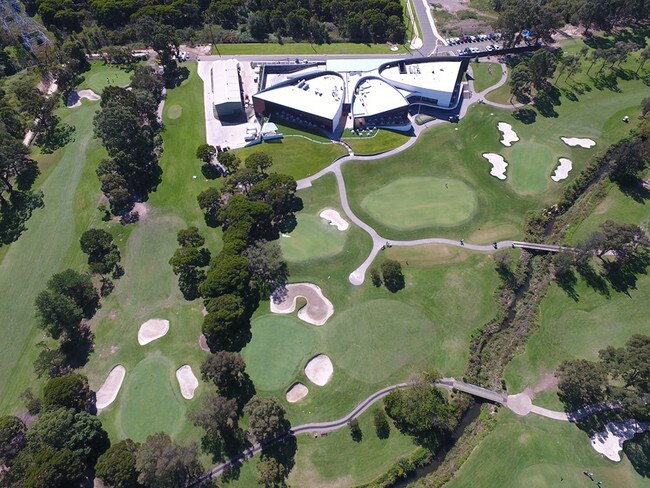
(548, 382)
(143, 209)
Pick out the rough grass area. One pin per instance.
(281, 346)
(299, 154)
(485, 75)
(411, 203)
(313, 238)
(380, 141)
(536, 452)
(298, 48)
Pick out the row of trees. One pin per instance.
(127, 124)
(391, 272)
(356, 20)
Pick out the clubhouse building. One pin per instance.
(358, 93)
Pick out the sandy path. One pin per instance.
(74, 100)
(319, 369)
(107, 393)
(578, 141)
(318, 309)
(498, 165)
(151, 330)
(509, 135)
(187, 381)
(297, 392)
(335, 219)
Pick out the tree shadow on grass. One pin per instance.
(525, 115)
(567, 281)
(546, 101)
(634, 189)
(623, 273)
(593, 279)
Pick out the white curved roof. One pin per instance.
(374, 96)
(429, 75)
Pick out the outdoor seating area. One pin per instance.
(293, 119)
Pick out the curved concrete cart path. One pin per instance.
(318, 309)
(107, 393)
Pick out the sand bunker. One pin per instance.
(203, 343)
(562, 171)
(187, 381)
(319, 370)
(335, 219)
(151, 330)
(498, 165)
(297, 392)
(509, 135)
(74, 100)
(107, 393)
(578, 141)
(610, 442)
(317, 310)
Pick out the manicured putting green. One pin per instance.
(377, 338)
(280, 347)
(313, 238)
(415, 202)
(150, 400)
(530, 166)
(100, 76)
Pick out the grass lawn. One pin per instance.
(485, 75)
(411, 203)
(297, 48)
(532, 451)
(102, 75)
(299, 154)
(501, 94)
(380, 141)
(530, 166)
(281, 346)
(150, 400)
(313, 238)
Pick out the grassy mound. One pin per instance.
(313, 238)
(280, 346)
(412, 203)
(150, 401)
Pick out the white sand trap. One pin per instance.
(107, 393)
(498, 165)
(319, 370)
(578, 141)
(509, 135)
(187, 381)
(74, 100)
(317, 310)
(335, 219)
(297, 392)
(610, 442)
(151, 330)
(562, 171)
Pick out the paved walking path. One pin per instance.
(520, 404)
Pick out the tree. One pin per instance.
(229, 161)
(103, 254)
(229, 275)
(189, 260)
(210, 201)
(226, 322)
(52, 468)
(621, 238)
(279, 192)
(68, 391)
(631, 363)
(218, 416)
(190, 237)
(258, 214)
(78, 287)
(355, 430)
(628, 159)
(116, 467)
(637, 451)
(162, 463)
(392, 274)
(12, 438)
(205, 152)
(421, 411)
(375, 277)
(146, 79)
(267, 267)
(521, 80)
(227, 370)
(258, 161)
(63, 428)
(271, 473)
(581, 383)
(266, 420)
(542, 65)
(382, 427)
